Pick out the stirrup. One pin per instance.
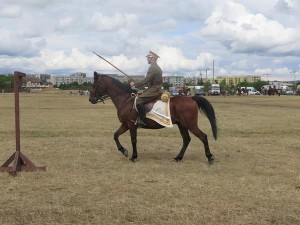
(139, 122)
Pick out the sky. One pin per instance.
(192, 37)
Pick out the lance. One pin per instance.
(113, 66)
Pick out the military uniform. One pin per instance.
(154, 81)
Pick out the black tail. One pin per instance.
(206, 108)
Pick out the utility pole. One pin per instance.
(213, 70)
(206, 69)
(206, 73)
(201, 81)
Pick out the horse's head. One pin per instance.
(98, 91)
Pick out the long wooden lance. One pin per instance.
(113, 66)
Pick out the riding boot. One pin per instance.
(142, 115)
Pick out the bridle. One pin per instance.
(98, 95)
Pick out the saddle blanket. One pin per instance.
(160, 113)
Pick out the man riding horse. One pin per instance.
(154, 81)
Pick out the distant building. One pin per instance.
(176, 81)
(78, 77)
(123, 78)
(191, 80)
(234, 79)
(166, 79)
(34, 83)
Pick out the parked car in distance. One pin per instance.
(199, 90)
(252, 91)
(215, 89)
(173, 91)
(289, 92)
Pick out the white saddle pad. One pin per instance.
(160, 113)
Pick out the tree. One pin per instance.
(224, 86)
(62, 86)
(6, 82)
(258, 84)
(166, 85)
(207, 85)
(85, 86)
(245, 84)
(200, 82)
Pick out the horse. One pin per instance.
(183, 110)
(224, 93)
(239, 91)
(274, 91)
(242, 91)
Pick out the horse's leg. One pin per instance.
(186, 140)
(122, 129)
(203, 137)
(133, 133)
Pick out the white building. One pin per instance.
(78, 77)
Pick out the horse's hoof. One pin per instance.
(211, 160)
(177, 159)
(125, 153)
(132, 159)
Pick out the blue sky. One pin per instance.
(258, 37)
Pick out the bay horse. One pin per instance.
(184, 113)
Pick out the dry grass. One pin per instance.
(255, 178)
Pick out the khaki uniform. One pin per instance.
(154, 81)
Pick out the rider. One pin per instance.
(154, 81)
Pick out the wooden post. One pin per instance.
(20, 161)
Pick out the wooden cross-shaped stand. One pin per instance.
(20, 161)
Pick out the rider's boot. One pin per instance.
(142, 115)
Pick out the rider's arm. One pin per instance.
(150, 75)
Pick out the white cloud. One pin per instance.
(241, 36)
(77, 61)
(280, 74)
(173, 59)
(243, 32)
(169, 24)
(12, 44)
(283, 6)
(11, 11)
(65, 23)
(102, 22)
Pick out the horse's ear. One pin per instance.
(96, 75)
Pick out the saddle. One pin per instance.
(148, 106)
(165, 97)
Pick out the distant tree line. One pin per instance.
(6, 82)
(75, 86)
(226, 87)
(257, 85)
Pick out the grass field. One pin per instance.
(255, 178)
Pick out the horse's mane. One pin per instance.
(123, 87)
